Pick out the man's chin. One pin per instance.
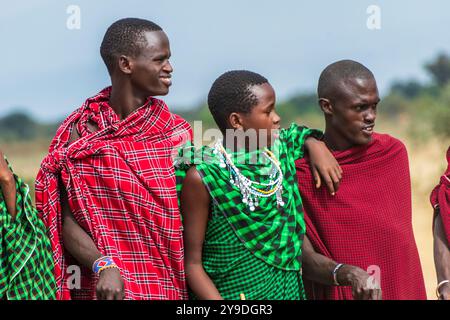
(159, 92)
(365, 140)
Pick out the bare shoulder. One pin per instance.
(194, 193)
(74, 135)
(194, 180)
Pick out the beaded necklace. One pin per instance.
(252, 191)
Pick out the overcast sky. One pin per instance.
(50, 70)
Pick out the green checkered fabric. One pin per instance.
(236, 270)
(26, 263)
(271, 235)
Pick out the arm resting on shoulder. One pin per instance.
(8, 187)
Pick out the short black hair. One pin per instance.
(333, 75)
(125, 37)
(231, 92)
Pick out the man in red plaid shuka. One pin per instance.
(107, 190)
(368, 222)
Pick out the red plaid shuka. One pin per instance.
(121, 189)
(441, 197)
(369, 220)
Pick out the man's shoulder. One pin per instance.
(71, 118)
(388, 142)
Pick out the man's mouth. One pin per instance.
(368, 129)
(167, 80)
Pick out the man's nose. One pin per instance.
(370, 115)
(168, 67)
(276, 118)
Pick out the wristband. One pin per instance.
(103, 263)
(336, 269)
(439, 286)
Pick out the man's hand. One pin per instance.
(110, 285)
(359, 280)
(444, 292)
(5, 174)
(8, 187)
(323, 165)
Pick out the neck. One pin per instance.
(238, 144)
(334, 142)
(124, 100)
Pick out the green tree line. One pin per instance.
(427, 105)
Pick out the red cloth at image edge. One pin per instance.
(441, 196)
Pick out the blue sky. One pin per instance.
(50, 70)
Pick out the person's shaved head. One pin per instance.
(348, 97)
(338, 74)
(125, 37)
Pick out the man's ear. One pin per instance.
(326, 106)
(125, 65)
(235, 120)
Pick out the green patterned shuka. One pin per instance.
(26, 263)
(258, 253)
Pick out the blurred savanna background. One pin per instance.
(289, 43)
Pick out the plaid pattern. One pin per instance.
(236, 270)
(121, 189)
(440, 197)
(26, 264)
(272, 237)
(368, 222)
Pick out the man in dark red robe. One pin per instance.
(440, 199)
(368, 222)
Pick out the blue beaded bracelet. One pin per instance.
(103, 263)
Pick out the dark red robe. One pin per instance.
(368, 223)
(441, 197)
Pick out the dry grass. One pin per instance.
(427, 162)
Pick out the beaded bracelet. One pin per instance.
(103, 263)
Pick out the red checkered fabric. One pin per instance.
(121, 189)
(441, 196)
(368, 222)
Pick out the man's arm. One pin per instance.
(110, 285)
(323, 164)
(8, 187)
(441, 256)
(195, 201)
(318, 268)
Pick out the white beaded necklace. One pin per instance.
(252, 191)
